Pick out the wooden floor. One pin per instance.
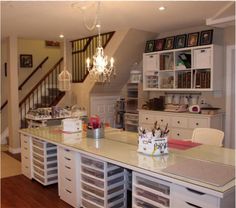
(20, 192)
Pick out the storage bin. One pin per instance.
(103, 184)
(202, 58)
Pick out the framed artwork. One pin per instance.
(150, 44)
(180, 41)
(206, 37)
(52, 43)
(26, 61)
(159, 44)
(193, 39)
(169, 43)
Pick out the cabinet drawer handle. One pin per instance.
(25, 142)
(150, 56)
(26, 167)
(68, 191)
(178, 122)
(67, 150)
(68, 179)
(194, 191)
(67, 158)
(146, 118)
(197, 124)
(192, 205)
(68, 167)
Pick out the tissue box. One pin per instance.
(153, 146)
(72, 125)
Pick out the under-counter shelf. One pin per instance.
(102, 184)
(44, 162)
(149, 190)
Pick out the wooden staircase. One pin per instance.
(44, 94)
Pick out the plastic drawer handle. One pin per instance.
(68, 191)
(68, 167)
(26, 157)
(68, 179)
(25, 141)
(67, 150)
(25, 148)
(67, 158)
(192, 205)
(196, 192)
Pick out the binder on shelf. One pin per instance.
(186, 59)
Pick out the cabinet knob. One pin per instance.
(150, 56)
(197, 124)
(146, 118)
(161, 120)
(178, 122)
(178, 134)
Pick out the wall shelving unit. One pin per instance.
(187, 69)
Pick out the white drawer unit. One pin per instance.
(150, 192)
(44, 162)
(103, 185)
(189, 198)
(26, 155)
(181, 125)
(68, 176)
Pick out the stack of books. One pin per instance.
(203, 79)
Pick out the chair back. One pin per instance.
(208, 136)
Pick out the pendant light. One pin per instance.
(64, 78)
(101, 68)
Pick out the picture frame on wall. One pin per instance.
(26, 61)
(206, 37)
(193, 39)
(169, 43)
(150, 44)
(159, 44)
(180, 41)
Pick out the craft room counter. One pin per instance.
(120, 147)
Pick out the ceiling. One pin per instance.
(48, 19)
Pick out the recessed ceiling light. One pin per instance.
(162, 8)
(61, 36)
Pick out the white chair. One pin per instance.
(208, 136)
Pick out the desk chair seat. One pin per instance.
(208, 136)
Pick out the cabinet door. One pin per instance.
(150, 62)
(202, 58)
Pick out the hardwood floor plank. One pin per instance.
(20, 192)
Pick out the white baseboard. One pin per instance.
(14, 150)
(4, 136)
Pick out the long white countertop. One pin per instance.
(120, 147)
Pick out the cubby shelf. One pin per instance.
(188, 69)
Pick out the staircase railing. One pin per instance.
(32, 73)
(82, 49)
(45, 88)
(27, 79)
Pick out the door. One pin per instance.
(104, 107)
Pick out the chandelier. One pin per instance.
(100, 68)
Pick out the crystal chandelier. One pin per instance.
(101, 68)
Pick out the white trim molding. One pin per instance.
(4, 136)
(14, 150)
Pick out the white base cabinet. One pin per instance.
(26, 155)
(185, 197)
(181, 125)
(69, 176)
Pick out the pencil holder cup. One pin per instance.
(153, 146)
(95, 133)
